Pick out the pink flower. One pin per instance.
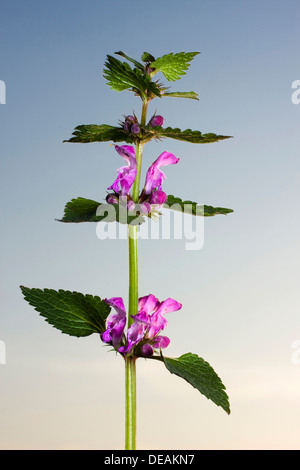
(152, 194)
(115, 322)
(155, 176)
(143, 336)
(126, 174)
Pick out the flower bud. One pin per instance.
(135, 128)
(146, 350)
(158, 197)
(129, 121)
(112, 199)
(127, 126)
(156, 121)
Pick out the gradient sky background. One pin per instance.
(240, 293)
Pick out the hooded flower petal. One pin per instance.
(158, 322)
(126, 174)
(169, 305)
(115, 322)
(148, 303)
(155, 176)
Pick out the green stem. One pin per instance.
(139, 156)
(133, 272)
(130, 412)
(130, 362)
(130, 371)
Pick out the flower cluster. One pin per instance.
(132, 126)
(143, 335)
(152, 195)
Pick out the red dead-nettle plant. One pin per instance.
(134, 332)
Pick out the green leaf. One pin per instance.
(86, 210)
(182, 94)
(135, 62)
(87, 133)
(200, 375)
(72, 313)
(120, 76)
(146, 57)
(193, 208)
(173, 66)
(188, 135)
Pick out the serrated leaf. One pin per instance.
(120, 76)
(87, 133)
(187, 135)
(86, 210)
(193, 208)
(135, 62)
(201, 376)
(72, 313)
(173, 66)
(182, 94)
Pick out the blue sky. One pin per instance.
(239, 293)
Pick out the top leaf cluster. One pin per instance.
(121, 76)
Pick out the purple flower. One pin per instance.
(156, 121)
(115, 322)
(126, 174)
(152, 194)
(142, 336)
(155, 176)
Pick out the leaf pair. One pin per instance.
(86, 210)
(81, 315)
(88, 133)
